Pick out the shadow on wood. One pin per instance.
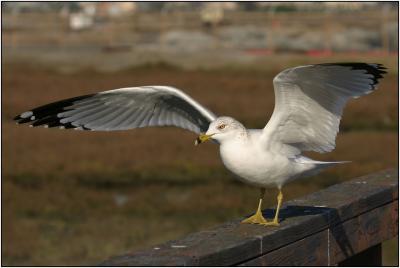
(327, 213)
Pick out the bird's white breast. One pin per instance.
(255, 165)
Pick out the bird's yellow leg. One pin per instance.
(257, 218)
(275, 221)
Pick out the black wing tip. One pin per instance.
(24, 117)
(49, 122)
(378, 67)
(46, 115)
(375, 69)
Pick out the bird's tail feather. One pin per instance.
(305, 160)
(331, 163)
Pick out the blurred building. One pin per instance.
(173, 27)
(316, 6)
(114, 9)
(119, 8)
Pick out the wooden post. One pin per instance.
(369, 257)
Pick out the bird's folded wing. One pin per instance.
(309, 102)
(122, 109)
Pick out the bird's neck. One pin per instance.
(243, 135)
(240, 136)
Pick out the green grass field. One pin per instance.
(76, 198)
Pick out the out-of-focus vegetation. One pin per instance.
(75, 197)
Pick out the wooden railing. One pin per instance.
(344, 224)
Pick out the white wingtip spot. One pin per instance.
(33, 117)
(26, 114)
(46, 126)
(64, 120)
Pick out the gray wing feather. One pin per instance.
(309, 102)
(122, 109)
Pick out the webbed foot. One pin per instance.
(257, 218)
(272, 223)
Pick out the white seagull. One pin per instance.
(309, 101)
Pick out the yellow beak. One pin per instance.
(202, 138)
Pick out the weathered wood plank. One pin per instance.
(331, 205)
(202, 248)
(363, 232)
(233, 243)
(309, 251)
(337, 243)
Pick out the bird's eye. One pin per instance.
(222, 126)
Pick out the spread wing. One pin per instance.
(309, 102)
(122, 109)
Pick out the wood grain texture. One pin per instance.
(346, 239)
(337, 208)
(362, 232)
(309, 251)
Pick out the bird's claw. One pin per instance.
(258, 218)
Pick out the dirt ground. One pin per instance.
(76, 198)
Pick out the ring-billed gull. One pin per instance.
(309, 101)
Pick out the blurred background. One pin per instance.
(76, 198)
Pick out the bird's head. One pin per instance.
(221, 129)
